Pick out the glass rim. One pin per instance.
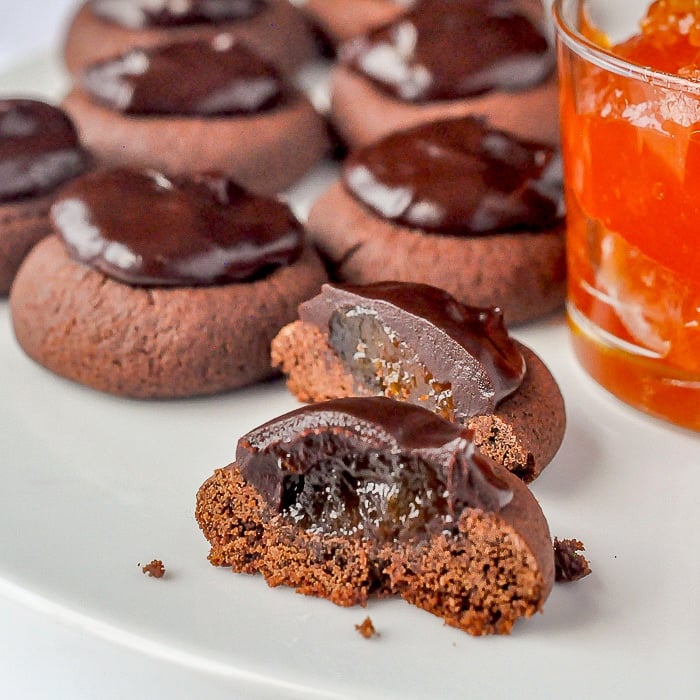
(602, 58)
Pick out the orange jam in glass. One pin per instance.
(630, 117)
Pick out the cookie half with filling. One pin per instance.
(39, 152)
(445, 59)
(103, 29)
(368, 497)
(454, 204)
(416, 343)
(199, 105)
(157, 287)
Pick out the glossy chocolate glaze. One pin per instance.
(143, 228)
(458, 177)
(417, 343)
(370, 467)
(142, 14)
(198, 78)
(452, 49)
(39, 149)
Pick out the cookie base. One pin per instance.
(363, 114)
(481, 579)
(278, 33)
(152, 342)
(342, 20)
(523, 273)
(22, 225)
(265, 152)
(523, 434)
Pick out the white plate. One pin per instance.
(92, 485)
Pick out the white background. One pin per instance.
(27, 26)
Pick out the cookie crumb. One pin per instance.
(366, 629)
(155, 569)
(569, 565)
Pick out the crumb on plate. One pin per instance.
(366, 629)
(155, 569)
(569, 564)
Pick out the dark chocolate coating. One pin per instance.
(139, 14)
(39, 149)
(372, 466)
(458, 177)
(143, 228)
(198, 78)
(451, 49)
(467, 350)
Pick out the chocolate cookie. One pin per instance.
(195, 106)
(103, 29)
(360, 498)
(456, 205)
(445, 59)
(416, 343)
(39, 151)
(160, 287)
(344, 19)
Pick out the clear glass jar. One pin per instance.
(631, 148)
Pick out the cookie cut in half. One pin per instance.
(416, 343)
(368, 497)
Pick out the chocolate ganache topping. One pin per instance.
(417, 343)
(458, 177)
(39, 149)
(452, 49)
(197, 78)
(141, 14)
(370, 467)
(143, 228)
